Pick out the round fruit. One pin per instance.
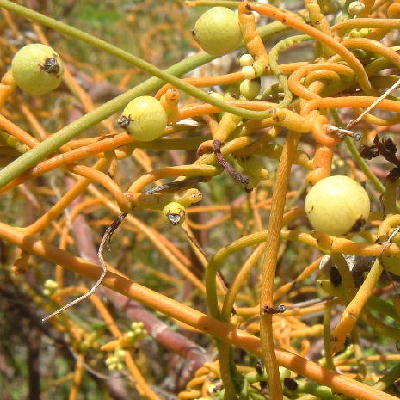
(249, 72)
(37, 69)
(217, 31)
(246, 59)
(337, 205)
(250, 88)
(144, 118)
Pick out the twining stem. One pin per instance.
(275, 68)
(323, 38)
(193, 317)
(327, 335)
(54, 142)
(270, 262)
(355, 306)
(224, 348)
(78, 375)
(362, 164)
(50, 145)
(130, 58)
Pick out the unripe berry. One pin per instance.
(37, 69)
(217, 31)
(50, 287)
(111, 360)
(119, 353)
(144, 118)
(246, 60)
(51, 284)
(337, 205)
(216, 95)
(137, 326)
(249, 72)
(250, 88)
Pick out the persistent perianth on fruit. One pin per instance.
(218, 31)
(174, 213)
(144, 118)
(337, 205)
(37, 69)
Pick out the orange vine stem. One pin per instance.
(270, 262)
(287, 19)
(193, 317)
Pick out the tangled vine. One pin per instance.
(296, 167)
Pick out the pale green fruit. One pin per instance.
(37, 69)
(391, 264)
(217, 31)
(249, 72)
(250, 88)
(144, 118)
(246, 60)
(337, 205)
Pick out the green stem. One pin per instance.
(166, 76)
(320, 391)
(389, 378)
(216, 262)
(390, 197)
(357, 157)
(347, 277)
(214, 265)
(224, 348)
(52, 144)
(327, 335)
(273, 64)
(11, 141)
(383, 307)
(227, 370)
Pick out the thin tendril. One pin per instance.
(104, 241)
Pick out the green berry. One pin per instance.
(250, 88)
(144, 118)
(37, 69)
(246, 60)
(217, 31)
(51, 284)
(249, 72)
(137, 326)
(337, 205)
(216, 95)
(130, 335)
(120, 353)
(111, 360)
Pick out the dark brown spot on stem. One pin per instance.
(236, 175)
(274, 310)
